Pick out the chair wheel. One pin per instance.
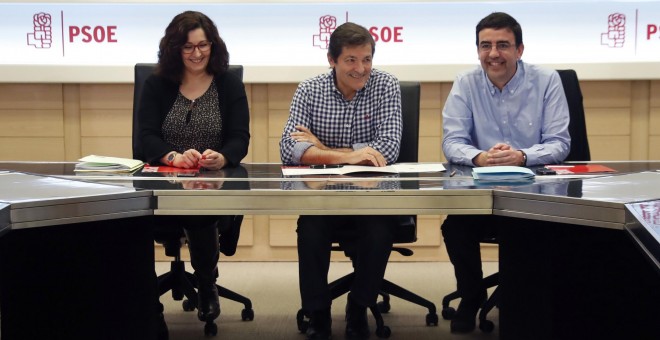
(210, 329)
(384, 307)
(448, 313)
(247, 314)
(187, 305)
(383, 332)
(486, 326)
(431, 319)
(301, 322)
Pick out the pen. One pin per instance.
(325, 166)
(452, 173)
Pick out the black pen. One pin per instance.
(325, 166)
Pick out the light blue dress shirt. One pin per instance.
(530, 114)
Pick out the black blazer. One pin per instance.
(157, 99)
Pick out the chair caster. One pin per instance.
(448, 313)
(384, 307)
(301, 322)
(383, 332)
(188, 306)
(486, 326)
(210, 329)
(247, 314)
(431, 319)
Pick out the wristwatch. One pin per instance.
(524, 162)
(170, 158)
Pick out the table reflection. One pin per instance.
(387, 182)
(233, 178)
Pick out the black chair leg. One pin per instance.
(247, 314)
(486, 325)
(382, 331)
(400, 292)
(341, 285)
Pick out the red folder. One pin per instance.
(579, 169)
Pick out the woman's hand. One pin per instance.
(212, 160)
(187, 160)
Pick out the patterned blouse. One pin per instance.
(194, 124)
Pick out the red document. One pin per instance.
(168, 169)
(579, 169)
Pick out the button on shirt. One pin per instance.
(530, 114)
(372, 118)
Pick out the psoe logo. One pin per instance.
(327, 25)
(42, 34)
(615, 36)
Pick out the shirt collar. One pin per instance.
(512, 85)
(338, 93)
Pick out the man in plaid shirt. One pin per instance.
(351, 115)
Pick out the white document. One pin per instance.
(347, 169)
(95, 163)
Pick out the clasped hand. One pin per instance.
(499, 154)
(209, 159)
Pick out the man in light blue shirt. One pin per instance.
(505, 112)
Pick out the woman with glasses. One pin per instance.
(193, 113)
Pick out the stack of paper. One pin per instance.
(502, 173)
(95, 163)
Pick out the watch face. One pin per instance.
(170, 158)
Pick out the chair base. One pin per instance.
(342, 286)
(485, 325)
(183, 286)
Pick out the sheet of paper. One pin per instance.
(348, 169)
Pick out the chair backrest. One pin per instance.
(142, 72)
(577, 126)
(409, 150)
(407, 230)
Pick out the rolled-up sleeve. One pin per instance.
(290, 150)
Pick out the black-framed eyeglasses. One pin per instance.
(203, 46)
(500, 46)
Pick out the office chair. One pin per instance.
(577, 129)
(406, 233)
(182, 283)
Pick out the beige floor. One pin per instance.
(273, 289)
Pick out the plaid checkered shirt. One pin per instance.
(372, 118)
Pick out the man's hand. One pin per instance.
(499, 154)
(366, 156)
(304, 135)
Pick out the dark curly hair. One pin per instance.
(170, 62)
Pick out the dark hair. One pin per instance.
(170, 62)
(499, 20)
(349, 34)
